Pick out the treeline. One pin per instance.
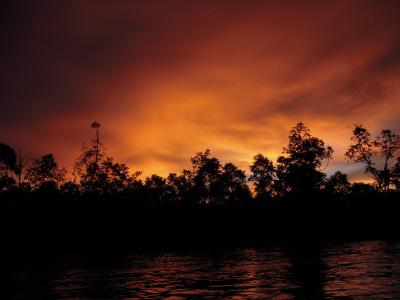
(209, 204)
(297, 173)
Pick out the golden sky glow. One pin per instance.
(167, 79)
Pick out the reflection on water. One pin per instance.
(354, 270)
(363, 269)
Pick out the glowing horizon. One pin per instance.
(167, 79)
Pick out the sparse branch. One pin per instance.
(363, 150)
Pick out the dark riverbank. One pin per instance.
(107, 222)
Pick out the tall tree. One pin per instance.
(262, 175)
(98, 172)
(206, 175)
(87, 165)
(22, 161)
(371, 152)
(234, 185)
(183, 185)
(96, 125)
(298, 169)
(45, 172)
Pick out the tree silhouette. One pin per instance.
(183, 185)
(211, 200)
(206, 175)
(209, 183)
(298, 168)
(159, 192)
(234, 187)
(262, 174)
(8, 158)
(117, 177)
(396, 174)
(362, 190)
(20, 166)
(8, 165)
(104, 176)
(366, 150)
(96, 125)
(338, 184)
(87, 165)
(44, 172)
(98, 172)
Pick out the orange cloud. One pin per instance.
(168, 79)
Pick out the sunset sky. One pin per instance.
(167, 79)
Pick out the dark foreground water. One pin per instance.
(359, 270)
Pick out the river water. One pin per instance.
(358, 270)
